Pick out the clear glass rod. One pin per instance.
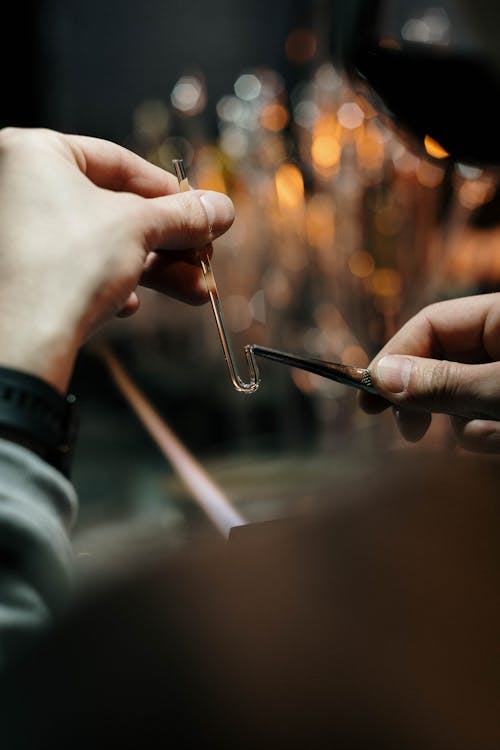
(240, 385)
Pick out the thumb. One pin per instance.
(439, 385)
(186, 220)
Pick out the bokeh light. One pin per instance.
(188, 95)
(434, 148)
(274, 116)
(247, 87)
(325, 151)
(350, 115)
(361, 264)
(289, 187)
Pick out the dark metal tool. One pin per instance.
(357, 377)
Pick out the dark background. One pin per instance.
(83, 66)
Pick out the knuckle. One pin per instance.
(8, 135)
(432, 311)
(13, 137)
(193, 222)
(442, 379)
(438, 378)
(431, 308)
(428, 315)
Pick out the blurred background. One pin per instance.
(341, 234)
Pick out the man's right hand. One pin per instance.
(445, 359)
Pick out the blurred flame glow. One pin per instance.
(475, 193)
(209, 170)
(405, 162)
(289, 187)
(361, 264)
(434, 148)
(274, 116)
(320, 223)
(370, 147)
(429, 175)
(327, 124)
(325, 151)
(386, 282)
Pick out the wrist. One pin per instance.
(40, 350)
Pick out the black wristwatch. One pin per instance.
(34, 414)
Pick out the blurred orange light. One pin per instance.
(320, 222)
(429, 175)
(370, 147)
(361, 264)
(474, 193)
(434, 148)
(211, 179)
(386, 282)
(300, 46)
(289, 187)
(274, 117)
(405, 163)
(327, 124)
(325, 151)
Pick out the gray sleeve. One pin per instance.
(37, 509)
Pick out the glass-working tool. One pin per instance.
(357, 377)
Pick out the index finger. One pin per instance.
(114, 167)
(177, 274)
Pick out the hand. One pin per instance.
(82, 223)
(445, 359)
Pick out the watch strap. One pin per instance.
(44, 419)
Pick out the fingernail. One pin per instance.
(219, 208)
(393, 373)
